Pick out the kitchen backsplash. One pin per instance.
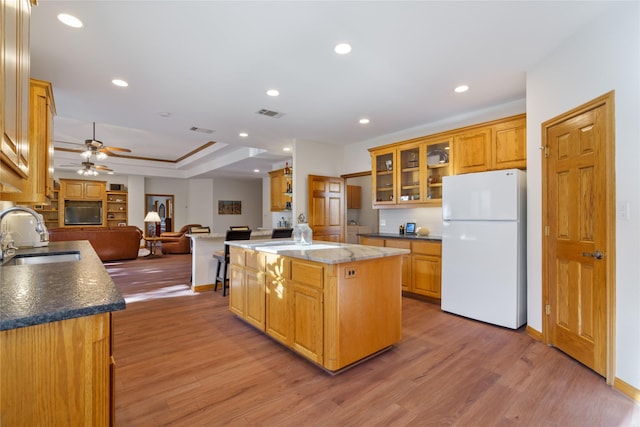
(390, 219)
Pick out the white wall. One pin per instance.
(366, 215)
(603, 56)
(248, 191)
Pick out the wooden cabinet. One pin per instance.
(14, 102)
(509, 146)
(82, 190)
(319, 310)
(61, 373)
(421, 270)
(426, 260)
(438, 165)
(406, 260)
(117, 208)
(501, 145)
(281, 190)
(410, 173)
(51, 212)
(383, 167)
(354, 197)
(38, 185)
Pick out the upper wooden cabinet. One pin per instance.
(509, 144)
(281, 190)
(14, 100)
(354, 197)
(410, 173)
(72, 189)
(501, 145)
(38, 185)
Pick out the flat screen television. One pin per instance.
(82, 215)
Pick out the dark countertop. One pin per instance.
(402, 236)
(43, 293)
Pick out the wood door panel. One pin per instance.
(327, 207)
(307, 321)
(576, 205)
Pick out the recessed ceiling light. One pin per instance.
(256, 170)
(70, 20)
(461, 88)
(119, 82)
(286, 149)
(164, 114)
(364, 121)
(342, 48)
(273, 92)
(243, 134)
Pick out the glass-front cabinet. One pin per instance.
(384, 167)
(437, 163)
(410, 174)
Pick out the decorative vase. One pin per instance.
(302, 234)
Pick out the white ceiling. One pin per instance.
(209, 64)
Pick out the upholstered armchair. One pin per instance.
(176, 242)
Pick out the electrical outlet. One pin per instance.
(383, 222)
(350, 273)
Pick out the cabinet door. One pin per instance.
(278, 304)
(354, 197)
(308, 322)
(473, 151)
(236, 290)
(510, 145)
(426, 275)
(410, 175)
(438, 164)
(73, 189)
(383, 174)
(406, 260)
(94, 190)
(254, 298)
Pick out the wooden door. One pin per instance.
(307, 336)
(578, 191)
(326, 208)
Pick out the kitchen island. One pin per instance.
(334, 304)
(56, 337)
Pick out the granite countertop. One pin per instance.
(323, 252)
(42, 293)
(402, 236)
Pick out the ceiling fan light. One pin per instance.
(80, 171)
(101, 155)
(86, 154)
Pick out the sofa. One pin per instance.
(110, 243)
(177, 242)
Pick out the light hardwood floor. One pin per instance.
(183, 359)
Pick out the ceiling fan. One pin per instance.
(93, 147)
(87, 168)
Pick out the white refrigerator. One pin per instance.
(484, 247)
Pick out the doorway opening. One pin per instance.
(162, 204)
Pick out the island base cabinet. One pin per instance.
(332, 314)
(58, 373)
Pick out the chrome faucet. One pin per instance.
(5, 247)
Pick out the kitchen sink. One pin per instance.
(43, 258)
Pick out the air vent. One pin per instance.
(270, 113)
(201, 130)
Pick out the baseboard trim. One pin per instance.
(626, 389)
(533, 333)
(202, 288)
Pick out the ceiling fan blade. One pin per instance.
(102, 168)
(68, 142)
(77, 165)
(107, 149)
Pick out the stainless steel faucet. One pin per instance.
(40, 228)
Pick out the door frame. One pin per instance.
(606, 100)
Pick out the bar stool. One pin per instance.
(222, 273)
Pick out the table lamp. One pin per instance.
(152, 216)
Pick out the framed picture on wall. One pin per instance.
(229, 207)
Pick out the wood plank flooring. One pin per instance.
(183, 359)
